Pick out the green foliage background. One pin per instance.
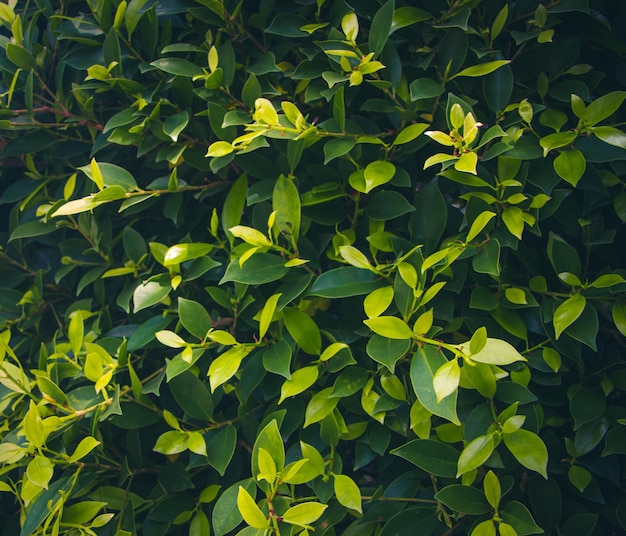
(312, 267)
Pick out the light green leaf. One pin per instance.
(484, 528)
(467, 163)
(249, 510)
(225, 366)
(475, 454)
(378, 301)
(567, 313)
(319, 406)
(497, 352)
(529, 450)
(300, 381)
(267, 314)
(557, 140)
(39, 471)
(483, 68)
(479, 223)
(390, 327)
(185, 252)
(171, 442)
(493, 492)
(409, 133)
(347, 492)
(570, 166)
(250, 235)
(516, 295)
(354, 257)
(304, 514)
(171, 339)
(378, 173)
(446, 379)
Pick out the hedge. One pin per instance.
(312, 267)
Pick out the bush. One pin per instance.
(291, 267)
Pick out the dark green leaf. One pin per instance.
(432, 456)
(464, 499)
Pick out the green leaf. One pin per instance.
(267, 314)
(20, 57)
(406, 16)
(82, 512)
(497, 352)
(518, 516)
(381, 28)
(175, 124)
(378, 301)
(303, 330)
(570, 166)
(277, 359)
(618, 311)
(226, 515)
(347, 492)
(260, 269)
(337, 147)
(178, 67)
(493, 491)
(226, 365)
(409, 133)
(463, 499)
(387, 351)
(611, 135)
(194, 317)
(529, 450)
(479, 224)
(300, 381)
(111, 175)
(390, 327)
(171, 442)
(286, 203)
(151, 292)
(432, 456)
(354, 257)
(233, 206)
(249, 510)
(425, 88)
(483, 68)
(446, 379)
(319, 406)
(557, 140)
(39, 471)
(86, 445)
(425, 362)
(303, 514)
(379, 172)
(579, 477)
(475, 453)
(485, 528)
(32, 229)
(604, 107)
(567, 313)
(221, 448)
(344, 283)
(270, 440)
(467, 163)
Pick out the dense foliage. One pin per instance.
(318, 267)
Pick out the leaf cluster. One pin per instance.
(318, 267)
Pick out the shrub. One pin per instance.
(291, 267)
